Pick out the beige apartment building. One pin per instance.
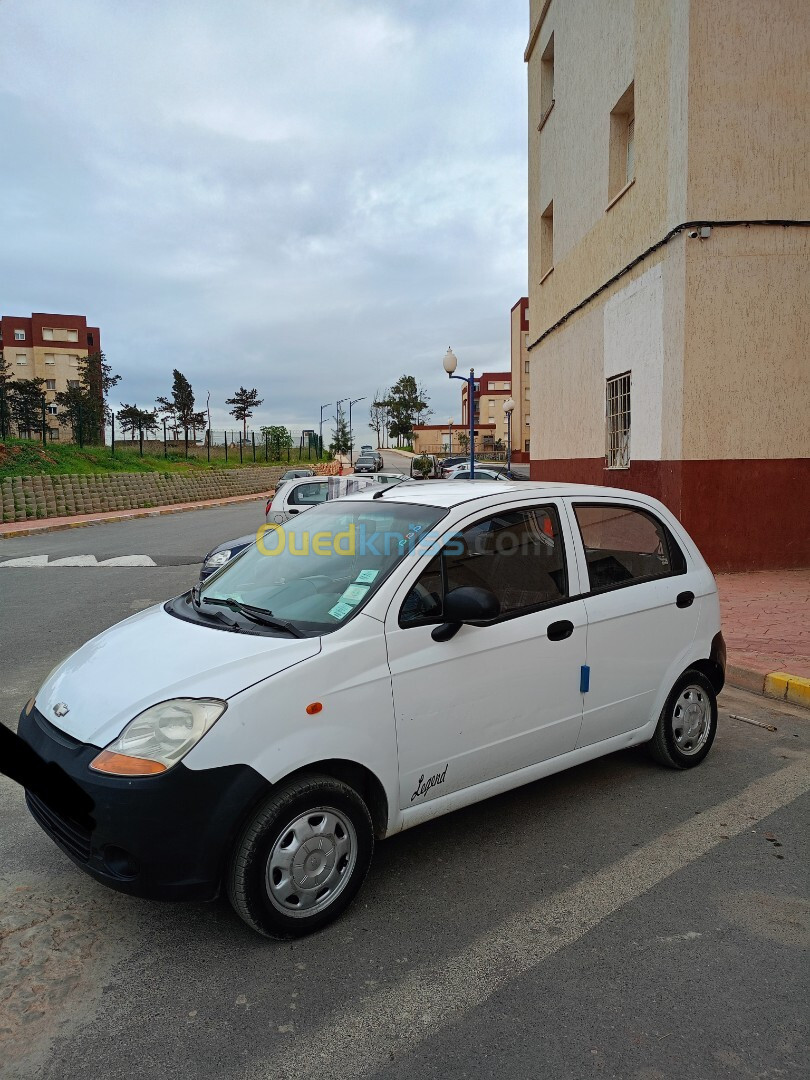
(521, 380)
(48, 347)
(669, 270)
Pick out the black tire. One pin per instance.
(681, 740)
(316, 890)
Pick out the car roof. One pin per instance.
(455, 492)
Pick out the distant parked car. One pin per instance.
(389, 478)
(367, 448)
(295, 497)
(482, 472)
(293, 474)
(368, 463)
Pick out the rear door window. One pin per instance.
(308, 494)
(625, 545)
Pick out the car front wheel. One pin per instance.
(687, 724)
(302, 858)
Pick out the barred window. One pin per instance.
(617, 422)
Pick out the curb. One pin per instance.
(778, 684)
(10, 531)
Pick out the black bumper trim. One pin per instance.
(177, 829)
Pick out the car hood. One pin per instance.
(152, 657)
(233, 545)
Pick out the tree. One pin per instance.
(423, 465)
(464, 441)
(179, 408)
(278, 437)
(342, 442)
(6, 392)
(404, 402)
(244, 403)
(74, 407)
(378, 415)
(95, 380)
(26, 404)
(133, 419)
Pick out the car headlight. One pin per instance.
(159, 737)
(219, 558)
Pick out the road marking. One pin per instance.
(390, 1023)
(79, 560)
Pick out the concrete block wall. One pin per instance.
(30, 498)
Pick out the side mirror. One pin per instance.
(467, 604)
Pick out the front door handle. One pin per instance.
(685, 599)
(560, 630)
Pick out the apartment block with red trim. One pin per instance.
(42, 346)
(669, 263)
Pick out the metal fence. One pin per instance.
(223, 446)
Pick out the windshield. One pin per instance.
(318, 569)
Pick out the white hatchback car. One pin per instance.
(376, 662)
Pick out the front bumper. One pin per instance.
(164, 837)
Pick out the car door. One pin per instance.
(498, 697)
(640, 607)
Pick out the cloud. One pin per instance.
(310, 198)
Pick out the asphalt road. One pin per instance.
(616, 920)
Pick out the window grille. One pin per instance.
(617, 422)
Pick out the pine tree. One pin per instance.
(244, 403)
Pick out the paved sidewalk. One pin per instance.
(766, 625)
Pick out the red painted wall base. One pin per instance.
(743, 515)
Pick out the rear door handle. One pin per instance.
(292, 510)
(685, 599)
(560, 630)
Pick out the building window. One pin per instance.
(53, 434)
(617, 422)
(53, 410)
(19, 335)
(22, 358)
(50, 384)
(47, 333)
(622, 143)
(547, 80)
(73, 384)
(90, 341)
(50, 358)
(525, 367)
(547, 240)
(72, 335)
(526, 445)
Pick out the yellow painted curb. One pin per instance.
(792, 688)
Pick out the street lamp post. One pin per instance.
(450, 364)
(320, 429)
(450, 425)
(508, 408)
(351, 441)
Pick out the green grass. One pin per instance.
(20, 457)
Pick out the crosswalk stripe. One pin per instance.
(29, 561)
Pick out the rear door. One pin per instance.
(640, 607)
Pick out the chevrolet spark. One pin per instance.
(377, 662)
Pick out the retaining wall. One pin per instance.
(29, 498)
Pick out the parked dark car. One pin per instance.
(367, 463)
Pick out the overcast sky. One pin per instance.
(312, 197)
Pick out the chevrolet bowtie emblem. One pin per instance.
(61, 709)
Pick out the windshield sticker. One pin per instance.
(340, 611)
(366, 576)
(353, 594)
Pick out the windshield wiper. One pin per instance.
(255, 614)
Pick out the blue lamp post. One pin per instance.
(508, 408)
(450, 364)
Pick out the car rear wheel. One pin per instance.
(687, 724)
(302, 858)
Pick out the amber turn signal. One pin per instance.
(315, 707)
(122, 765)
(29, 706)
